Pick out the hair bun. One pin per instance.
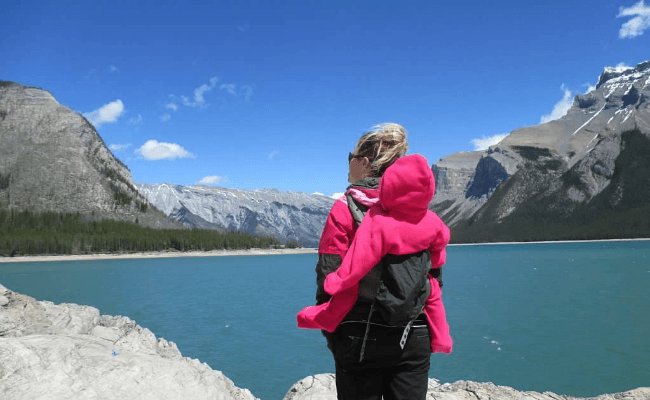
(384, 144)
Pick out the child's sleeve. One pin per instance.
(434, 310)
(438, 245)
(328, 315)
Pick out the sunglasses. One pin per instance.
(351, 156)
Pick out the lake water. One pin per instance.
(571, 318)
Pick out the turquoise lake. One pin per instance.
(571, 318)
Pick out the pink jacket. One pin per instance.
(400, 223)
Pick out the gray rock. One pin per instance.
(323, 387)
(465, 180)
(454, 172)
(587, 140)
(487, 177)
(270, 212)
(69, 351)
(53, 159)
(316, 387)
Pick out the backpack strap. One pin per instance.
(407, 328)
(357, 209)
(365, 335)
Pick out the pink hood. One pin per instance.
(407, 197)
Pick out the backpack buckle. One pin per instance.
(405, 334)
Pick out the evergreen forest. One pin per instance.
(29, 233)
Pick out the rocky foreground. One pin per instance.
(68, 351)
(323, 387)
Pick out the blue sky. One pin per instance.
(259, 94)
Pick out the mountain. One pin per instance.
(285, 215)
(53, 159)
(585, 175)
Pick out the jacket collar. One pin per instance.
(366, 183)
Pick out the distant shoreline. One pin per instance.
(250, 252)
(554, 241)
(157, 254)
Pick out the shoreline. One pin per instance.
(554, 241)
(249, 252)
(157, 254)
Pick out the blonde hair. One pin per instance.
(383, 145)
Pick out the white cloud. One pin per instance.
(485, 142)
(155, 150)
(165, 117)
(621, 67)
(561, 107)
(136, 120)
(199, 100)
(90, 74)
(198, 94)
(335, 196)
(113, 68)
(108, 113)
(229, 87)
(273, 154)
(635, 26)
(119, 147)
(212, 180)
(590, 87)
(248, 92)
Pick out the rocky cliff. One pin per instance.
(284, 215)
(556, 169)
(68, 351)
(323, 387)
(52, 159)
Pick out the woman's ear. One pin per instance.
(365, 163)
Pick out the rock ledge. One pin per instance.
(68, 351)
(323, 387)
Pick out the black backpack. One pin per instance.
(397, 287)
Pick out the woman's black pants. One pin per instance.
(386, 369)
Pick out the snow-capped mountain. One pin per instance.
(284, 215)
(566, 163)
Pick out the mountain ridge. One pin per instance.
(288, 216)
(53, 159)
(570, 160)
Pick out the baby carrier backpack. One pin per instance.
(397, 287)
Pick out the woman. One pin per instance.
(381, 350)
